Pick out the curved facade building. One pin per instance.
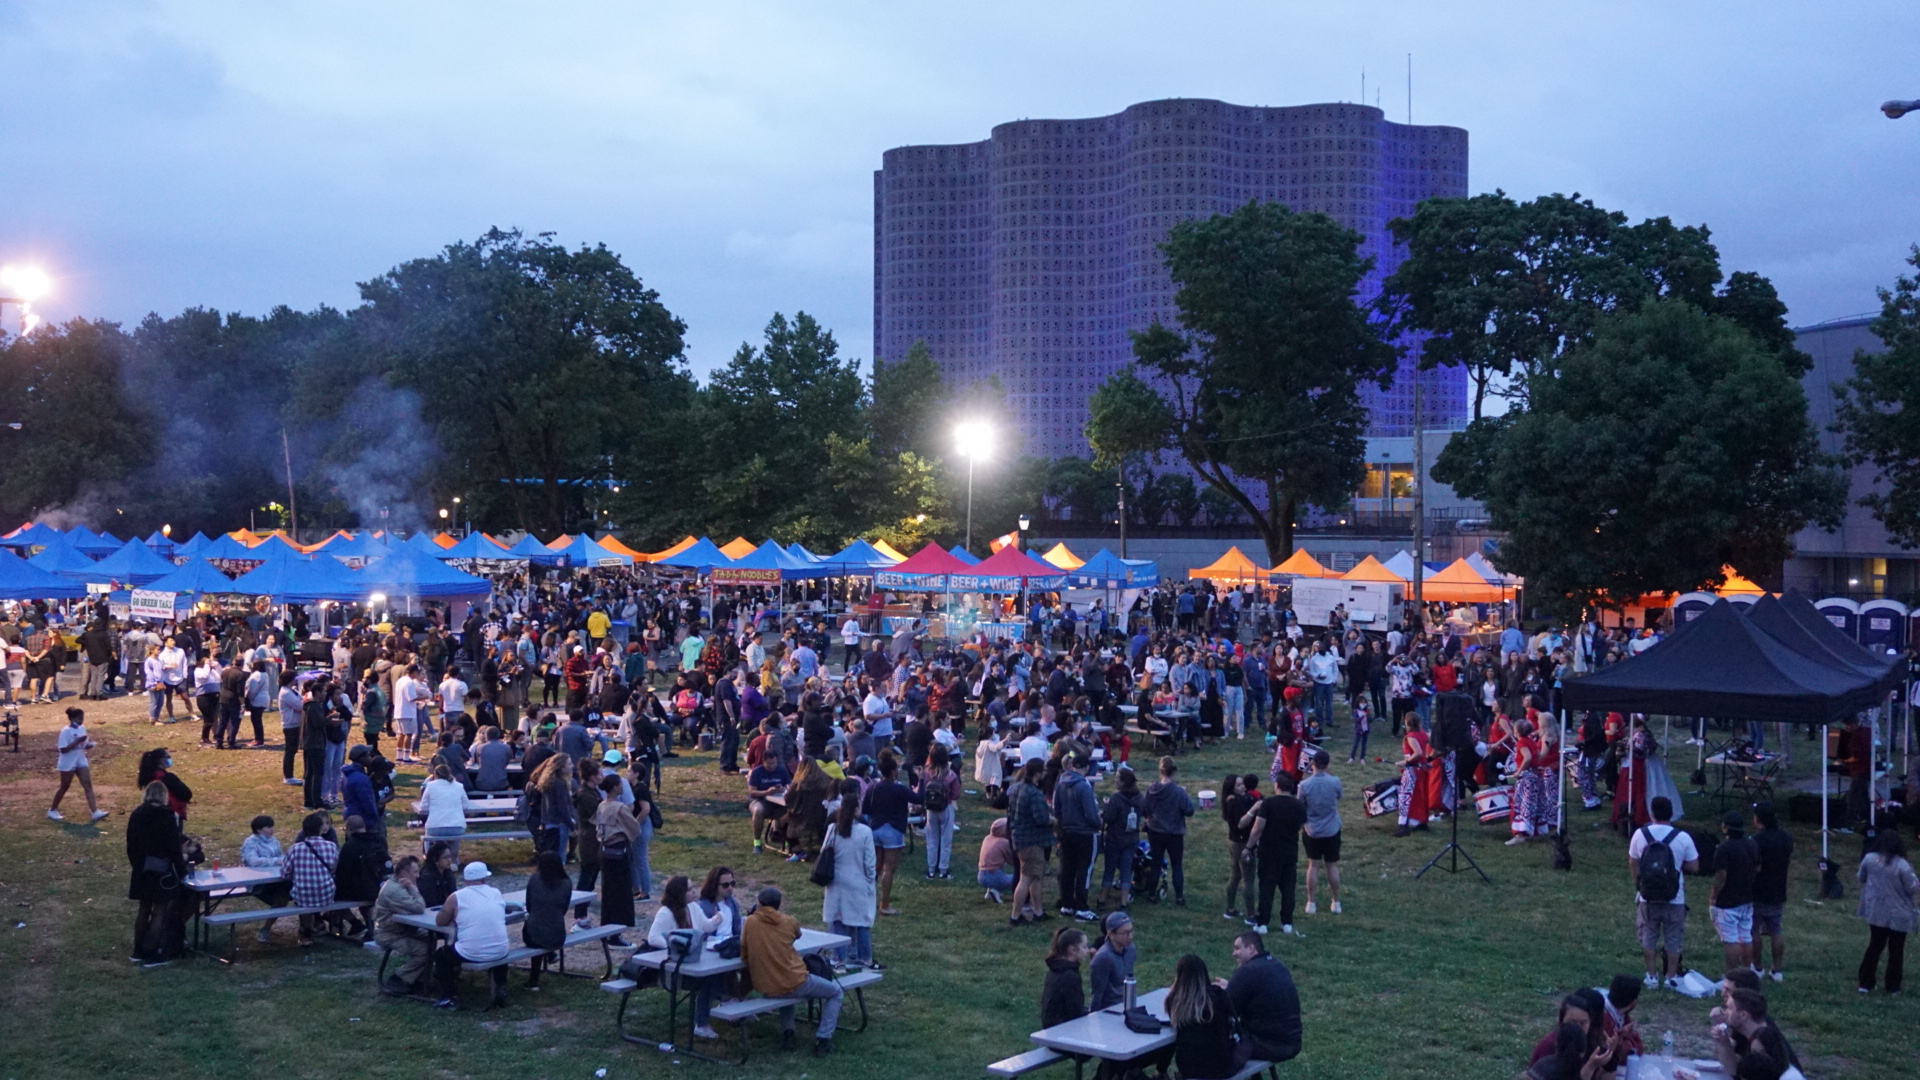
(1032, 255)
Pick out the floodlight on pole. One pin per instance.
(1897, 109)
(974, 441)
(23, 285)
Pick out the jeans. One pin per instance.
(555, 838)
(1323, 703)
(1424, 707)
(1282, 875)
(316, 770)
(1234, 708)
(154, 698)
(330, 779)
(451, 836)
(1001, 880)
(642, 869)
(1359, 743)
(1173, 848)
(939, 840)
(861, 951)
(1257, 701)
(588, 876)
(1119, 862)
(829, 993)
(1076, 867)
(729, 743)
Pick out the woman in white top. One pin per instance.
(987, 764)
(74, 743)
(851, 901)
(153, 675)
(443, 801)
(678, 913)
(206, 697)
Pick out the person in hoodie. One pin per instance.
(1120, 822)
(1168, 808)
(1063, 998)
(356, 788)
(1076, 815)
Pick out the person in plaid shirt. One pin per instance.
(310, 865)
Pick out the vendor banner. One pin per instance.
(733, 575)
(888, 579)
(147, 604)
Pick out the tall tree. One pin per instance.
(531, 361)
(910, 399)
(1879, 410)
(1671, 443)
(80, 436)
(1259, 392)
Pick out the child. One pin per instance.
(1362, 724)
(262, 852)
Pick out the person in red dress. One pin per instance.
(1416, 762)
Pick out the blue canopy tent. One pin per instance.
(21, 580)
(192, 546)
(300, 579)
(230, 554)
(195, 577)
(134, 564)
(423, 543)
(159, 543)
(799, 552)
(584, 550)
(91, 543)
(61, 557)
(354, 549)
(751, 568)
(477, 546)
(411, 573)
(533, 551)
(964, 555)
(1109, 571)
(275, 546)
(858, 559)
(703, 556)
(36, 535)
(112, 539)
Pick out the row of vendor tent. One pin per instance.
(1010, 570)
(288, 577)
(1776, 658)
(1457, 582)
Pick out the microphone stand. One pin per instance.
(1453, 852)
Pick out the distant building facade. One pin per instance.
(1031, 256)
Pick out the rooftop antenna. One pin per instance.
(1363, 84)
(1409, 89)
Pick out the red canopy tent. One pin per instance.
(927, 570)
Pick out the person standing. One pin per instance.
(1735, 861)
(313, 743)
(850, 900)
(1168, 807)
(1237, 798)
(1076, 813)
(1030, 821)
(1120, 822)
(1324, 669)
(1658, 858)
(1320, 795)
(619, 834)
(292, 716)
(96, 647)
(157, 855)
(1275, 838)
(1887, 889)
(1856, 756)
(1775, 846)
(1416, 761)
(940, 796)
(73, 742)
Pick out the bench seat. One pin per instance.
(232, 920)
(1021, 1064)
(514, 956)
(1251, 1070)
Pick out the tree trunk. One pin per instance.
(1276, 527)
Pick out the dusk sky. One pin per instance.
(160, 155)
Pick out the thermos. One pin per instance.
(1132, 988)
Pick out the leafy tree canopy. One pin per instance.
(1879, 410)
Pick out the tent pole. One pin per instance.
(1823, 791)
(1560, 767)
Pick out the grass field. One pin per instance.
(1439, 977)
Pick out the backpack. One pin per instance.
(1659, 874)
(934, 789)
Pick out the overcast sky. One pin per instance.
(157, 155)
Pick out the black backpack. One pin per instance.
(1659, 874)
(934, 791)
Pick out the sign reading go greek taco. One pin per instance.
(147, 604)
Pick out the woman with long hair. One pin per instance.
(158, 858)
(1120, 821)
(1887, 903)
(619, 833)
(849, 903)
(1062, 997)
(549, 796)
(157, 765)
(549, 892)
(677, 912)
(1204, 1046)
(886, 805)
(1529, 796)
(1237, 796)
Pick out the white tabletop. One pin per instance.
(1656, 1067)
(520, 897)
(710, 963)
(1104, 1034)
(229, 877)
(477, 807)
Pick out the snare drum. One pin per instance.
(1494, 804)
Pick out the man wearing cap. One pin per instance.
(1735, 862)
(478, 914)
(776, 969)
(1113, 964)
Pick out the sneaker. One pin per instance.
(700, 1031)
(291, 782)
(446, 1003)
(1402, 831)
(1777, 976)
(1313, 908)
(1261, 930)
(265, 936)
(875, 965)
(1516, 840)
(583, 923)
(164, 963)
(994, 895)
(1651, 982)
(930, 875)
(1335, 907)
(1085, 916)
(1287, 929)
(1673, 983)
(55, 815)
(757, 847)
(822, 1047)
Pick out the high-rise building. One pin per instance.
(1032, 255)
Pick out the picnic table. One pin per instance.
(1104, 1034)
(214, 886)
(680, 986)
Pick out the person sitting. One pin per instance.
(478, 914)
(676, 913)
(1061, 997)
(438, 877)
(1265, 999)
(1573, 1058)
(444, 804)
(997, 861)
(310, 865)
(1204, 1047)
(1113, 962)
(363, 863)
(766, 782)
(549, 891)
(401, 896)
(1746, 1033)
(716, 898)
(1623, 993)
(261, 851)
(776, 969)
(494, 756)
(1583, 1007)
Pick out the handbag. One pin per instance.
(1142, 1022)
(823, 867)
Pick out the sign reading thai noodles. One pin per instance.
(733, 575)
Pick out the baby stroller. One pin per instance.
(1145, 873)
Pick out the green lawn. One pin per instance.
(1440, 977)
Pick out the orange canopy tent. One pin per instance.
(1059, 556)
(1372, 569)
(1459, 583)
(560, 542)
(738, 548)
(1736, 585)
(685, 543)
(1302, 564)
(247, 537)
(613, 544)
(1233, 566)
(444, 540)
(888, 550)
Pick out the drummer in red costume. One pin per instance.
(1416, 764)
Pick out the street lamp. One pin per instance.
(25, 284)
(1024, 524)
(1897, 109)
(974, 440)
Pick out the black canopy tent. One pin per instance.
(1795, 623)
(1823, 630)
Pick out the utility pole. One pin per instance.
(1120, 485)
(1419, 512)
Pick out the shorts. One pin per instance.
(17, 677)
(1033, 863)
(1734, 924)
(1324, 848)
(1766, 919)
(887, 838)
(409, 725)
(772, 811)
(1661, 926)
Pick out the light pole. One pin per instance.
(975, 441)
(26, 284)
(1897, 109)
